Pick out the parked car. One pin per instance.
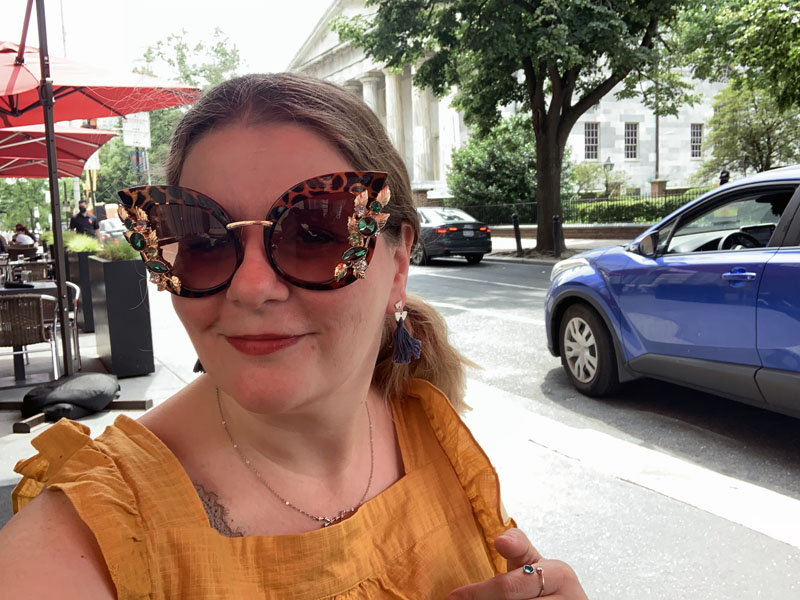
(708, 298)
(450, 232)
(110, 229)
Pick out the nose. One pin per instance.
(255, 282)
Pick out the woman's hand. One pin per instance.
(527, 571)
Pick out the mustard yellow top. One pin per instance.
(427, 534)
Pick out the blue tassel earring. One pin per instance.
(405, 345)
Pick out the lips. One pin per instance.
(260, 345)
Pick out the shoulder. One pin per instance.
(46, 551)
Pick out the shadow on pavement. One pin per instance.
(728, 437)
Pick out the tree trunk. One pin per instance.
(549, 155)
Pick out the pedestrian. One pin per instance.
(84, 222)
(724, 177)
(23, 237)
(321, 454)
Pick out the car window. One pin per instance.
(755, 214)
(446, 215)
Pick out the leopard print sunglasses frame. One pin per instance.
(140, 206)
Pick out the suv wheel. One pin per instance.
(587, 352)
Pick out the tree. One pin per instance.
(557, 58)
(753, 41)
(496, 168)
(20, 200)
(749, 132)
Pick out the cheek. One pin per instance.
(196, 314)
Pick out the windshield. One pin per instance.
(445, 214)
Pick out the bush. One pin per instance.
(118, 250)
(78, 242)
(622, 210)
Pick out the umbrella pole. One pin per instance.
(46, 96)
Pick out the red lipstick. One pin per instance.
(260, 345)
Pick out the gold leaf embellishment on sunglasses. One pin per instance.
(145, 240)
(368, 221)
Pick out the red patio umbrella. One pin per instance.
(80, 91)
(23, 150)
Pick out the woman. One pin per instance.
(315, 458)
(23, 237)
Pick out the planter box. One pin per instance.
(122, 316)
(78, 273)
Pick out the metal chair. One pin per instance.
(27, 319)
(74, 296)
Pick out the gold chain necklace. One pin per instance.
(326, 521)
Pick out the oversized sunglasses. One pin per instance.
(319, 234)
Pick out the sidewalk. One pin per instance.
(509, 244)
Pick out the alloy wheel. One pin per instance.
(580, 350)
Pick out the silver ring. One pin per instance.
(529, 570)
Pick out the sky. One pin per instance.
(115, 33)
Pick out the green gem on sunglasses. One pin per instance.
(367, 226)
(138, 242)
(375, 206)
(156, 266)
(354, 253)
(129, 223)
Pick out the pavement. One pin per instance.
(174, 361)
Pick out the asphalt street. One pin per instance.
(656, 492)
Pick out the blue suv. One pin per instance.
(708, 298)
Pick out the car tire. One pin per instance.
(419, 256)
(587, 351)
(474, 259)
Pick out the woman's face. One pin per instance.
(272, 346)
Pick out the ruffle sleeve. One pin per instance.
(69, 461)
(473, 468)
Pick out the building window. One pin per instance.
(591, 138)
(696, 140)
(631, 140)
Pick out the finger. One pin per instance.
(514, 585)
(516, 548)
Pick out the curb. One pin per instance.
(521, 260)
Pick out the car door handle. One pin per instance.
(739, 274)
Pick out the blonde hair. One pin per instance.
(347, 122)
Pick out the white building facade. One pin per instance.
(426, 130)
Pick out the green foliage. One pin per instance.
(749, 132)
(118, 250)
(81, 243)
(19, 200)
(496, 168)
(555, 58)
(748, 41)
(622, 210)
(201, 64)
(587, 176)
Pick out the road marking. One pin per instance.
(512, 285)
(493, 314)
(498, 418)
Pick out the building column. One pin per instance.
(369, 82)
(353, 87)
(394, 112)
(423, 155)
(449, 133)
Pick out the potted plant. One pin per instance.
(78, 249)
(121, 310)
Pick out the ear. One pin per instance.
(401, 257)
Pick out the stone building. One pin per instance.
(426, 130)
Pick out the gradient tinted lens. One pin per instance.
(309, 238)
(197, 245)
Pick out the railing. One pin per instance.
(618, 209)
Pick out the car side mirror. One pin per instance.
(648, 244)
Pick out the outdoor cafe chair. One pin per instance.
(21, 252)
(27, 319)
(40, 271)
